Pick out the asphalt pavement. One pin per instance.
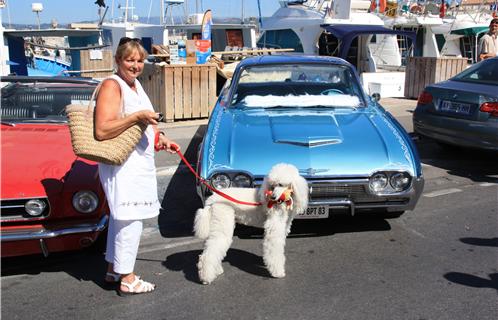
(436, 262)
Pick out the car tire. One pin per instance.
(447, 147)
(100, 244)
(392, 215)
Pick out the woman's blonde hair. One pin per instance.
(127, 47)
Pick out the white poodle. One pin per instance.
(283, 194)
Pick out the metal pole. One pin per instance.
(259, 10)
(242, 13)
(126, 12)
(162, 11)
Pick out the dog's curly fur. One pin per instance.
(216, 221)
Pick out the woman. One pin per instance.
(131, 188)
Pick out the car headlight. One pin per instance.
(35, 207)
(85, 201)
(400, 181)
(220, 181)
(378, 182)
(242, 181)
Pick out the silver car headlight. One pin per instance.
(35, 207)
(85, 201)
(242, 181)
(220, 181)
(400, 181)
(378, 182)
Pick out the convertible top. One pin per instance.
(347, 32)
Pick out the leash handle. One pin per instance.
(176, 148)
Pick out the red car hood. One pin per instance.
(35, 158)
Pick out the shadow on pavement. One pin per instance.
(320, 228)
(180, 201)
(243, 260)
(470, 280)
(251, 263)
(476, 165)
(83, 266)
(491, 242)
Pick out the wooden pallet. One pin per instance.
(181, 92)
(422, 71)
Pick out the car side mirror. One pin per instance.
(376, 96)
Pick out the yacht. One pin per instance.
(344, 29)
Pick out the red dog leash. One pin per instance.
(176, 148)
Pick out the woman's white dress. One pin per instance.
(131, 188)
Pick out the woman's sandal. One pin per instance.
(143, 287)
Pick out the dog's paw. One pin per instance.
(278, 274)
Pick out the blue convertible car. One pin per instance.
(311, 112)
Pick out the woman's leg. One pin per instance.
(126, 244)
(109, 252)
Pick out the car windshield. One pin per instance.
(297, 85)
(41, 102)
(485, 72)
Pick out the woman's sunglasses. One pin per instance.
(125, 40)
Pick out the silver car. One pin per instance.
(463, 110)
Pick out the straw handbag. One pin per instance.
(114, 151)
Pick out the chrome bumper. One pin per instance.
(412, 196)
(46, 234)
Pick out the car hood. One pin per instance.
(319, 143)
(35, 160)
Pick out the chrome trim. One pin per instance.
(46, 234)
(310, 143)
(10, 207)
(43, 248)
(335, 203)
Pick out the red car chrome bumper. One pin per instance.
(40, 236)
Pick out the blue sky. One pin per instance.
(65, 11)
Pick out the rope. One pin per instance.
(203, 181)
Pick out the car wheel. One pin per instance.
(447, 146)
(392, 215)
(99, 246)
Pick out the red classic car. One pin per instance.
(51, 200)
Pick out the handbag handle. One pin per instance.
(96, 91)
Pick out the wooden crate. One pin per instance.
(422, 71)
(96, 68)
(181, 92)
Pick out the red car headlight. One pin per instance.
(34, 207)
(85, 201)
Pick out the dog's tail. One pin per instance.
(202, 222)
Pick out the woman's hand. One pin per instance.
(163, 143)
(146, 117)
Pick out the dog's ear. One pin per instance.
(301, 192)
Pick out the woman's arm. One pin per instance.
(108, 121)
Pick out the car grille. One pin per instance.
(13, 209)
(356, 192)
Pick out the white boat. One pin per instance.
(222, 34)
(345, 29)
(449, 31)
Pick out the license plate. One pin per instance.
(315, 212)
(455, 107)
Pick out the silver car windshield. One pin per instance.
(297, 85)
